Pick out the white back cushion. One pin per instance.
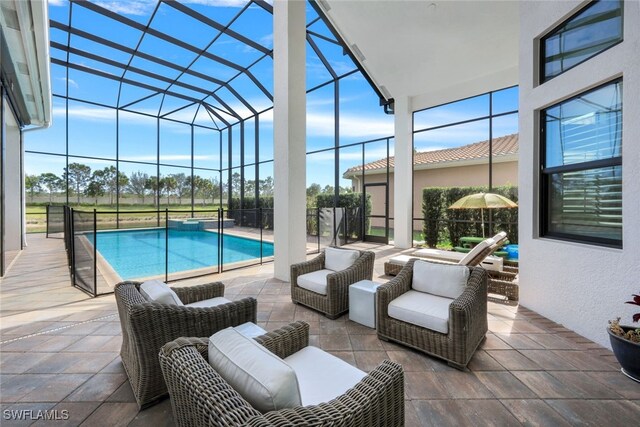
(500, 238)
(339, 259)
(267, 382)
(444, 280)
(158, 291)
(471, 256)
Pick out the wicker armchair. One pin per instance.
(147, 326)
(201, 397)
(336, 301)
(467, 319)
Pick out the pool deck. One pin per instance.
(59, 350)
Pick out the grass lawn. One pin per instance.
(107, 215)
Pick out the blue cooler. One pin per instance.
(512, 251)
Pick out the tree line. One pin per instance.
(83, 181)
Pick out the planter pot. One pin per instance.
(627, 353)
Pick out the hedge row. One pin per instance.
(441, 223)
(247, 216)
(352, 202)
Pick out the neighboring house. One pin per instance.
(452, 167)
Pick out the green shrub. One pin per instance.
(440, 221)
(432, 207)
(352, 202)
(247, 215)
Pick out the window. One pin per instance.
(584, 35)
(581, 180)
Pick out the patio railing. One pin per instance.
(172, 245)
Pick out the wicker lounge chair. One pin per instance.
(467, 323)
(147, 326)
(503, 287)
(336, 300)
(201, 397)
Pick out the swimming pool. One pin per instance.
(141, 253)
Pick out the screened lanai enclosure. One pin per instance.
(162, 138)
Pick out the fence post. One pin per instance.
(166, 245)
(47, 221)
(345, 226)
(219, 240)
(318, 226)
(72, 246)
(221, 246)
(95, 253)
(260, 225)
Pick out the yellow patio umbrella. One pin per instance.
(483, 201)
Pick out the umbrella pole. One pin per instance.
(482, 219)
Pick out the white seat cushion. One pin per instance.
(158, 291)
(315, 281)
(339, 259)
(471, 257)
(438, 254)
(450, 257)
(400, 259)
(322, 376)
(445, 280)
(422, 309)
(261, 377)
(211, 302)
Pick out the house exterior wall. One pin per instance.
(12, 180)
(578, 285)
(461, 176)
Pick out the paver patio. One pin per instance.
(59, 350)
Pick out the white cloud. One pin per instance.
(353, 155)
(131, 7)
(350, 126)
(266, 40)
(220, 3)
(71, 82)
(319, 125)
(87, 113)
(57, 2)
(169, 157)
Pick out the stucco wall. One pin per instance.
(580, 286)
(473, 175)
(12, 185)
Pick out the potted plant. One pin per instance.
(625, 342)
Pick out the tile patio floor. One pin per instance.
(59, 350)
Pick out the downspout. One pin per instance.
(35, 16)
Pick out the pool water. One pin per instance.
(141, 253)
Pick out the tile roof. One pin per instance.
(502, 146)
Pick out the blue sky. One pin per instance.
(92, 130)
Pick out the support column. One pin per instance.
(403, 174)
(289, 135)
